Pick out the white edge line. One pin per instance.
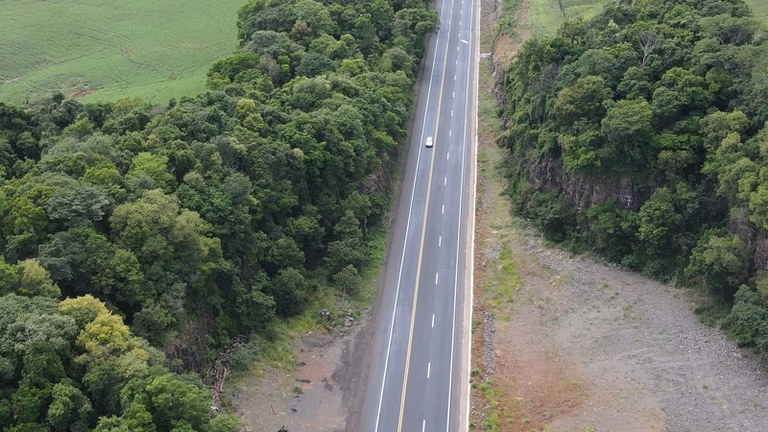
(458, 238)
(471, 233)
(429, 368)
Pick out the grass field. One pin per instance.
(108, 49)
(546, 15)
(760, 12)
(759, 9)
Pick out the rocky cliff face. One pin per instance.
(757, 243)
(585, 191)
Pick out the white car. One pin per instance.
(429, 142)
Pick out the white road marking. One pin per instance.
(450, 133)
(458, 239)
(453, 95)
(433, 320)
(454, 77)
(423, 425)
(448, 156)
(457, 62)
(451, 113)
(443, 210)
(429, 368)
(437, 277)
(439, 244)
(402, 256)
(445, 182)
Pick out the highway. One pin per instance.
(418, 377)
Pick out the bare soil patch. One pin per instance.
(309, 397)
(592, 346)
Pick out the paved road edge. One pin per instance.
(470, 259)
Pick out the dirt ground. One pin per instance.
(561, 343)
(314, 396)
(586, 346)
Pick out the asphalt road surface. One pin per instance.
(418, 379)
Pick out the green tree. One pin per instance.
(9, 277)
(34, 280)
(585, 100)
(70, 409)
(313, 64)
(412, 25)
(170, 401)
(82, 260)
(720, 259)
(316, 15)
(748, 320)
(347, 279)
(627, 128)
(228, 68)
(171, 245)
(662, 218)
(81, 205)
(147, 172)
(291, 290)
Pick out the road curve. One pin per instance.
(418, 380)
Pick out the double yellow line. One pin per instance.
(423, 231)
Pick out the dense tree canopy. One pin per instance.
(642, 134)
(188, 225)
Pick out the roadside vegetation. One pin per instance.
(140, 245)
(640, 134)
(497, 277)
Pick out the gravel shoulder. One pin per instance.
(586, 345)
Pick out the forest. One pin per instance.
(640, 135)
(136, 242)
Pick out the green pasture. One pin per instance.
(759, 9)
(547, 15)
(760, 12)
(105, 49)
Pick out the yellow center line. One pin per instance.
(423, 235)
